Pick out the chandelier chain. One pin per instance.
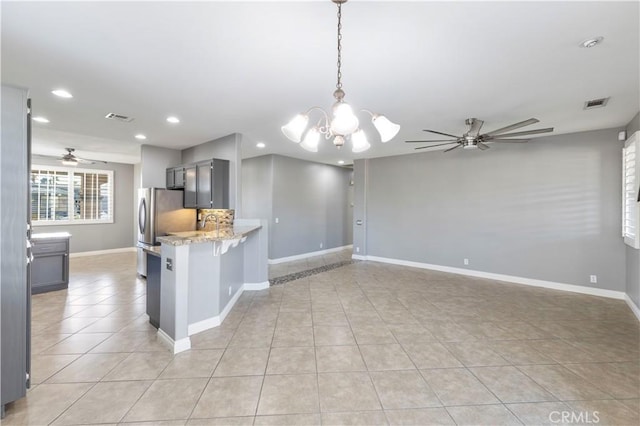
(339, 83)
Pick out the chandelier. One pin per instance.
(344, 124)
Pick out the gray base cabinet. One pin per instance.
(153, 289)
(50, 267)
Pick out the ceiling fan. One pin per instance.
(472, 139)
(70, 159)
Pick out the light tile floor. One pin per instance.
(365, 343)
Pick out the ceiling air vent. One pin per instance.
(119, 117)
(596, 103)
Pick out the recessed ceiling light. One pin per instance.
(173, 120)
(260, 145)
(40, 119)
(341, 162)
(592, 42)
(62, 93)
(140, 136)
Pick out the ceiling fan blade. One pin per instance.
(88, 161)
(474, 126)
(438, 140)
(526, 132)
(482, 146)
(451, 149)
(500, 140)
(440, 144)
(513, 126)
(444, 134)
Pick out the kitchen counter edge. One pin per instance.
(196, 237)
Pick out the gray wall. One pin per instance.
(257, 187)
(137, 168)
(103, 236)
(226, 148)
(154, 162)
(547, 210)
(310, 200)
(361, 182)
(633, 255)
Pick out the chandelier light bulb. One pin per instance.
(311, 139)
(294, 129)
(344, 120)
(387, 129)
(359, 142)
(338, 141)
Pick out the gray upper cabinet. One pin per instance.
(220, 184)
(190, 187)
(178, 177)
(205, 183)
(171, 182)
(204, 171)
(175, 178)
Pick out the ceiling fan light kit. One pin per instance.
(343, 124)
(70, 159)
(472, 139)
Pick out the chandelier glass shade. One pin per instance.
(342, 124)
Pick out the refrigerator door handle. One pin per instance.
(29, 252)
(142, 216)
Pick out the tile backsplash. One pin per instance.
(225, 218)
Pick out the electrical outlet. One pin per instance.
(357, 249)
(593, 279)
(321, 245)
(169, 264)
(277, 220)
(466, 261)
(229, 290)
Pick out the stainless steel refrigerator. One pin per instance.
(160, 211)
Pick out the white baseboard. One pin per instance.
(173, 345)
(634, 308)
(509, 278)
(200, 326)
(98, 252)
(358, 257)
(307, 255)
(256, 286)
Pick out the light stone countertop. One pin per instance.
(46, 235)
(195, 237)
(152, 250)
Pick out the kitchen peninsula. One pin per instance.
(204, 273)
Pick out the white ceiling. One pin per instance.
(248, 67)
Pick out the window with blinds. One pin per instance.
(631, 191)
(69, 195)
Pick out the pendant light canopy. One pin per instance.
(343, 124)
